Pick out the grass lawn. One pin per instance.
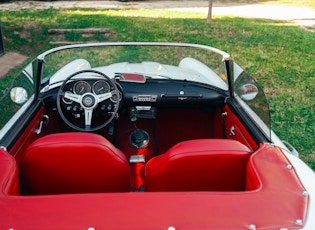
(279, 55)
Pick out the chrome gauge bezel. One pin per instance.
(95, 87)
(86, 87)
(113, 99)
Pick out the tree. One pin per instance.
(209, 19)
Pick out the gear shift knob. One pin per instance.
(139, 138)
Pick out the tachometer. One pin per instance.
(81, 87)
(100, 87)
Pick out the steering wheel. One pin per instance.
(89, 102)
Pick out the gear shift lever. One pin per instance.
(138, 138)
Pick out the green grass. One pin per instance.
(279, 55)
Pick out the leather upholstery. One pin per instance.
(199, 165)
(275, 204)
(9, 182)
(73, 163)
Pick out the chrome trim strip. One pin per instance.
(225, 55)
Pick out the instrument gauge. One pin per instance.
(101, 87)
(116, 96)
(81, 87)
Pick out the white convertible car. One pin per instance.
(145, 136)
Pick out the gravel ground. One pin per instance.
(303, 16)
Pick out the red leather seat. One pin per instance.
(199, 165)
(73, 163)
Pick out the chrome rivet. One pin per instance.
(171, 228)
(305, 193)
(252, 227)
(181, 92)
(5, 149)
(299, 222)
(91, 228)
(289, 166)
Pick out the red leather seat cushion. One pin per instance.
(74, 163)
(199, 165)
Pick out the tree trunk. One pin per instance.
(209, 19)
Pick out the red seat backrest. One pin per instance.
(73, 163)
(199, 165)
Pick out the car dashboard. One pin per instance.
(142, 99)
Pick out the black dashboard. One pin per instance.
(141, 99)
(170, 94)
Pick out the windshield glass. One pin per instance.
(197, 64)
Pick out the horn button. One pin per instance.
(88, 101)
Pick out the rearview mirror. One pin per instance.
(18, 95)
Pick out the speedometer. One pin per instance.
(101, 87)
(81, 87)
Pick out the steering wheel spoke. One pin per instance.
(88, 113)
(73, 97)
(104, 96)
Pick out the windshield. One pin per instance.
(196, 64)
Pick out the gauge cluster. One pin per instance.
(96, 87)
